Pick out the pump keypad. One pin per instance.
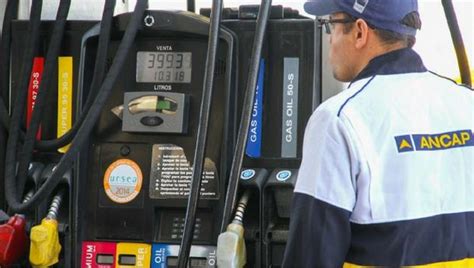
(172, 225)
(178, 228)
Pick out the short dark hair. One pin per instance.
(388, 37)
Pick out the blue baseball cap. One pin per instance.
(382, 14)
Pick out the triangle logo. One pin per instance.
(405, 144)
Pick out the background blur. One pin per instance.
(434, 42)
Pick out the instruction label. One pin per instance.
(289, 130)
(171, 174)
(33, 88)
(254, 138)
(65, 92)
(165, 255)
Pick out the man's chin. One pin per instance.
(341, 78)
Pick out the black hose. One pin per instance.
(191, 6)
(11, 11)
(20, 102)
(458, 42)
(43, 93)
(3, 138)
(99, 72)
(83, 134)
(100, 65)
(238, 158)
(201, 133)
(4, 118)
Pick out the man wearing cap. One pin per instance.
(387, 176)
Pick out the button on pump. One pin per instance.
(283, 175)
(151, 121)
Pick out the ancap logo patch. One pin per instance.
(434, 142)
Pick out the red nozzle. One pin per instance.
(13, 240)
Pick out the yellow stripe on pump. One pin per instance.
(65, 92)
(133, 255)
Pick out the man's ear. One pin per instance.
(361, 33)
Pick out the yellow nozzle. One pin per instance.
(44, 247)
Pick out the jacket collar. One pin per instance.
(404, 60)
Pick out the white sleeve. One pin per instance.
(325, 194)
(329, 166)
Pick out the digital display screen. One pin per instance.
(171, 262)
(164, 67)
(127, 260)
(105, 259)
(198, 263)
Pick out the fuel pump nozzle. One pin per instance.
(231, 251)
(13, 237)
(45, 247)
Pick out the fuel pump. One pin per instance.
(136, 161)
(174, 141)
(64, 60)
(287, 88)
(137, 166)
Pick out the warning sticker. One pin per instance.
(171, 174)
(123, 181)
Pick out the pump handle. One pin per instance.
(262, 19)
